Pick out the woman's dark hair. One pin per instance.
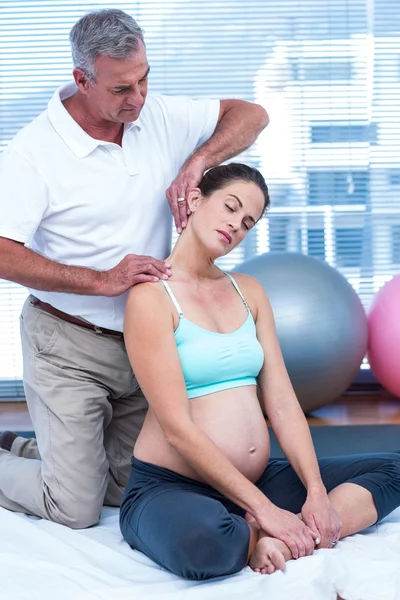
(218, 177)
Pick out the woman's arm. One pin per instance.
(290, 425)
(150, 342)
(281, 405)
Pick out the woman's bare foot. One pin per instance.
(269, 555)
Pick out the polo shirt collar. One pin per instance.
(80, 142)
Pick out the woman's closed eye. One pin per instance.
(245, 225)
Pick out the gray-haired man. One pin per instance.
(84, 218)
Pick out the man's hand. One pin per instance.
(319, 515)
(188, 178)
(131, 270)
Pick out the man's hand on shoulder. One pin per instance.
(131, 270)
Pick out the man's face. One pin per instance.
(120, 89)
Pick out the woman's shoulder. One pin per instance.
(248, 285)
(146, 296)
(254, 294)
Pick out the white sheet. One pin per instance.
(40, 560)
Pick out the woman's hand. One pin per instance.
(321, 517)
(289, 528)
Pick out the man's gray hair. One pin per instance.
(110, 32)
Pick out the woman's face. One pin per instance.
(222, 220)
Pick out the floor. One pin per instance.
(376, 407)
(353, 408)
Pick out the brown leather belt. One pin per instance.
(66, 317)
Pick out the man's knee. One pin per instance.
(77, 511)
(78, 516)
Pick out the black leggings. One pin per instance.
(192, 530)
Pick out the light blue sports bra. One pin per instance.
(213, 361)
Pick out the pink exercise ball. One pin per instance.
(384, 336)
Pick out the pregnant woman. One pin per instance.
(203, 499)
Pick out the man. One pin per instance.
(84, 218)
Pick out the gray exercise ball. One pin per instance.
(320, 321)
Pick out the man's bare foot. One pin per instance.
(269, 555)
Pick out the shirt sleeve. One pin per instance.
(23, 197)
(190, 123)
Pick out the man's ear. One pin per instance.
(193, 199)
(81, 80)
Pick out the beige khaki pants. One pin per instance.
(87, 411)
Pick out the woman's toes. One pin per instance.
(267, 557)
(270, 569)
(278, 560)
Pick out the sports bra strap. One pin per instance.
(237, 289)
(178, 308)
(174, 300)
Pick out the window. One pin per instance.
(316, 243)
(327, 70)
(394, 177)
(338, 187)
(396, 244)
(343, 133)
(349, 246)
(328, 74)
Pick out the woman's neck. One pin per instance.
(190, 260)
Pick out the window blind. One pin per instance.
(327, 71)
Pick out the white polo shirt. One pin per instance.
(85, 202)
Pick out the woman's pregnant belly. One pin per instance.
(232, 419)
